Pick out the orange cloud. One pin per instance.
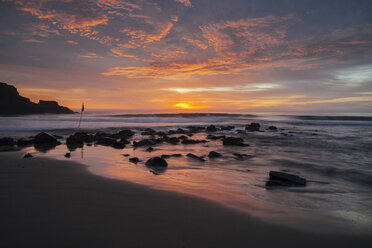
(187, 3)
(33, 41)
(159, 32)
(91, 56)
(72, 42)
(79, 20)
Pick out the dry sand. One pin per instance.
(51, 203)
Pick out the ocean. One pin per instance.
(334, 154)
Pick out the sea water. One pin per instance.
(334, 154)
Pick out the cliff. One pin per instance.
(11, 103)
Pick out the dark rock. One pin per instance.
(170, 140)
(182, 131)
(178, 131)
(119, 144)
(193, 156)
(192, 141)
(25, 142)
(123, 134)
(183, 137)
(273, 128)
(6, 141)
(172, 155)
(232, 141)
(195, 129)
(134, 160)
(156, 162)
(149, 149)
(45, 138)
(284, 179)
(213, 137)
(84, 137)
(74, 142)
(149, 131)
(124, 141)
(11, 103)
(214, 154)
(227, 128)
(161, 134)
(253, 127)
(126, 155)
(145, 142)
(28, 155)
(44, 141)
(211, 128)
(106, 141)
(68, 155)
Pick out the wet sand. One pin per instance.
(53, 203)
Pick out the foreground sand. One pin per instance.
(51, 203)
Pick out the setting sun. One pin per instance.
(183, 105)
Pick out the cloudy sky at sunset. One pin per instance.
(192, 55)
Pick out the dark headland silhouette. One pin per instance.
(11, 103)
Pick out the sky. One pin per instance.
(191, 55)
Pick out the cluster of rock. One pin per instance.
(42, 142)
(11, 103)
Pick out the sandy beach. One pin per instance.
(53, 203)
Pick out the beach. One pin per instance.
(53, 203)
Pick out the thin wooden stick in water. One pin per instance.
(81, 115)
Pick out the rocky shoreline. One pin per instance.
(150, 138)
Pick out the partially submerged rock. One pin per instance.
(23, 142)
(149, 149)
(193, 156)
(44, 141)
(192, 141)
(172, 155)
(227, 128)
(214, 154)
(278, 178)
(134, 160)
(7, 141)
(156, 162)
(28, 155)
(273, 128)
(68, 155)
(149, 131)
(213, 137)
(253, 127)
(233, 141)
(212, 128)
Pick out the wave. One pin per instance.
(333, 118)
(352, 175)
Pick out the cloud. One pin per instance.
(118, 4)
(72, 42)
(159, 31)
(33, 41)
(73, 16)
(91, 56)
(42, 30)
(187, 3)
(244, 88)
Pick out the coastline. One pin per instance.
(54, 203)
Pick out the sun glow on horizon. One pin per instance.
(183, 105)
